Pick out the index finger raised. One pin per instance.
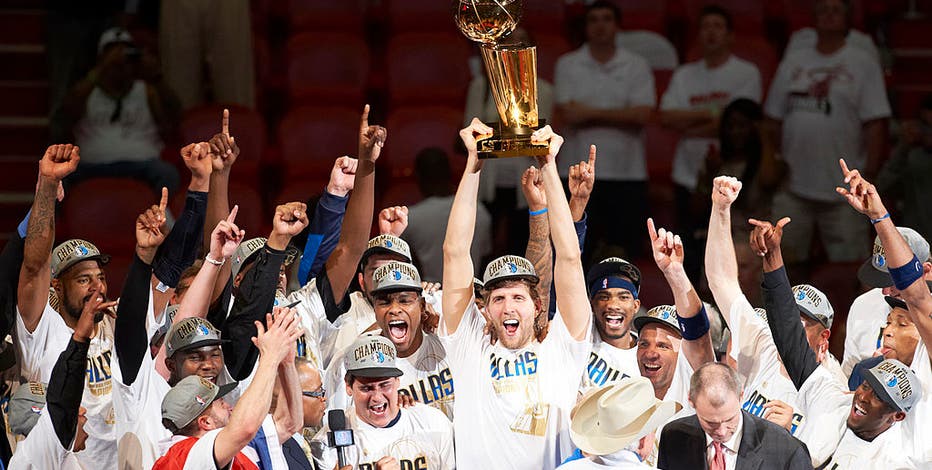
(364, 122)
(225, 123)
(592, 152)
(232, 216)
(651, 230)
(164, 202)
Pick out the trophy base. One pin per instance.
(506, 143)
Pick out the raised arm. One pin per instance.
(275, 345)
(324, 227)
(568, 278)
(721, 263)
(457, 263)
(906, 270)
(35, 275)
(289, 410)
(539, 251)
(342, 264)
(694, 324)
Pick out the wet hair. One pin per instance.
(541, 320)
(606, 5)
(717, 10)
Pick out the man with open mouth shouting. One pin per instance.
(400, 310)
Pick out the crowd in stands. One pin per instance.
(507, 319)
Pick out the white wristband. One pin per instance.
(213, 261)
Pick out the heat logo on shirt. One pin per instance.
(98, 374)
(600, 372)
(718, 98)
(501, 368)
(418, 463)
(434, 388)
(755, 406)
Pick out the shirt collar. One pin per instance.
(733, 443)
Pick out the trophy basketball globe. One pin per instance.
(512, 74)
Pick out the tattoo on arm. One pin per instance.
(540, 254)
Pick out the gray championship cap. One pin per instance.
(395, 276)
(509, 267)
(663, 314)
(371, 355)
(190, 397)
(73, 252)
(386, 244)
(190, 333)
(26, 405)
(167, 320)
(814, 304)
(245, 251)
(614, 267)
(895, 384)
(875, 272)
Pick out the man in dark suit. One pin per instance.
(720, 436)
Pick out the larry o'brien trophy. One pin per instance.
(512, 74)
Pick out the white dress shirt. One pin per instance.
(730, 447)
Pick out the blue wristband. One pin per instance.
(542, 211)
(885, 216)
(904, 276)
(24, 225)
(694, 327)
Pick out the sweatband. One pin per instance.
(694, 327)
(24, 225)
(885, 216)
(904, 276)
(538, 212)
(609, 282)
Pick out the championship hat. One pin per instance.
(509, 267)
(247, 250)
(72, 252)
(663, 314)
(371, 355)
(876, 273)
(167, 319)
(26, 405)
(601, 275)
(814, 304)
(395, 276)
(895, 384)
(190, 397)
(386, 244)
(192, 332)
(609, 418)
(894, 302)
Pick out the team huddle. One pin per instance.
(215, 356)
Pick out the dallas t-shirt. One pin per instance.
(41, 450)
(512, 406)
(864, 328)
(422, 438)
(608, 364)
(695, 86)
(823, 101)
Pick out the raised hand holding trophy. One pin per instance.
(512, 75)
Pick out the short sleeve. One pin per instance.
(201, 455)
(872, 102)
(51, 334)
(41, 449)
(749, 334)
(465, 344)
(825, 404)
(674, 97)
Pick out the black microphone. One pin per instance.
(339, 436)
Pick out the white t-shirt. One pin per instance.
(694, 86)
(864, 328)
(201, 454)
(41, 450)
(38, 352)
(622, 82)
(427, 378)
(608, 364)
(427, 226)
(422, 438)
(133, 137)
(512, 406)
(807, 38)
(316, 344)
(823, 101)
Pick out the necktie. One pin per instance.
(718, 461)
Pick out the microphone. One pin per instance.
(339, 436)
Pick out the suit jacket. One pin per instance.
(295, 456)
(764, 446)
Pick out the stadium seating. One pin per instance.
(327, 68)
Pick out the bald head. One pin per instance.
(715, 382)
(314, 407)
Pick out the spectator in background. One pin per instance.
(827, 101)
(500, 189)
(122, 111)
(427, 220)
(904, 178)
(193, 33)
(692, 105)
(605, 95)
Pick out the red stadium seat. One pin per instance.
(549, 48)
(311, 138)
(644, 14)
(544, 15)
(326, 15)
(907, 100)
(660, 146)
(747, 16)
(428, 68)
(104, 211)
(752, 48)
(252, 216)
(912, 71)
(799, 14)
(412, 129)
(420, 15)
(116, 271)
(909, 35)
(246, 125)
(400, 193)
(327, 68)
(661, 81)
(300, 190)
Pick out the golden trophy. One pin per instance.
(512, 74)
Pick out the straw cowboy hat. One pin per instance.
(607, 419)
